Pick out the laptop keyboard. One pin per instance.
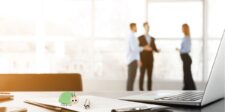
(185, 96)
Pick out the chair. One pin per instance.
(41, 82)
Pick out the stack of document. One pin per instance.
(97, 104)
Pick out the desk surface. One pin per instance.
(20, 97)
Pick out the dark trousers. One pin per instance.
(188, 80)
(132, 71)
(146, 67)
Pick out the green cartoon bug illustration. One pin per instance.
(68, 98)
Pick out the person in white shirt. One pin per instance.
(133, 56)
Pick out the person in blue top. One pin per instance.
(186, 59)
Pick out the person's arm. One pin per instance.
(154, 46)
(142, 45)
(141, 49)
(134, 47)
(132, 43)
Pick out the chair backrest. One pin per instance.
(41, 82)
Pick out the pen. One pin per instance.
(43, 106)
(55, 108)
(87, 104)
(131, 109)
(140, 109)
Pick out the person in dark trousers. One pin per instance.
(133, 56)
(186, 59)
(148, 46)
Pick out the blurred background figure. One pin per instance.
(186, 59)
(133, 56)
(147, 44)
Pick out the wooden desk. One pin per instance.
(19, 98)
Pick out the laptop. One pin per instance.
(214, 89)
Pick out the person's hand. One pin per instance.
(139, 63)
(158, 50)
(147, 48)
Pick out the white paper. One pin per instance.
(97, 104)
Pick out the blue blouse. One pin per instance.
(185, 45)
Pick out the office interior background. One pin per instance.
(89, 37)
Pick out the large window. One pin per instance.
(89, 36)
(112, 17)
(111, 25)
(17, 30)
(166, 18)
(68, 18)
(216, 26)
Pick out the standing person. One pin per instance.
(133, 56)
(186, 59)
(147, 43)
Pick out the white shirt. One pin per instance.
(148, 38)
(133, 50)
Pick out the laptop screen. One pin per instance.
(215, 86)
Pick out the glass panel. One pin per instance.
(114, 68)
(70, 18)
(18, 17)
(17, 62)
(166, 18)
(112, 17)
(110, 61)
(216, 18)
(79, 56)
(216, 27)
(168, 64)
(98, 32)
(165, 25)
